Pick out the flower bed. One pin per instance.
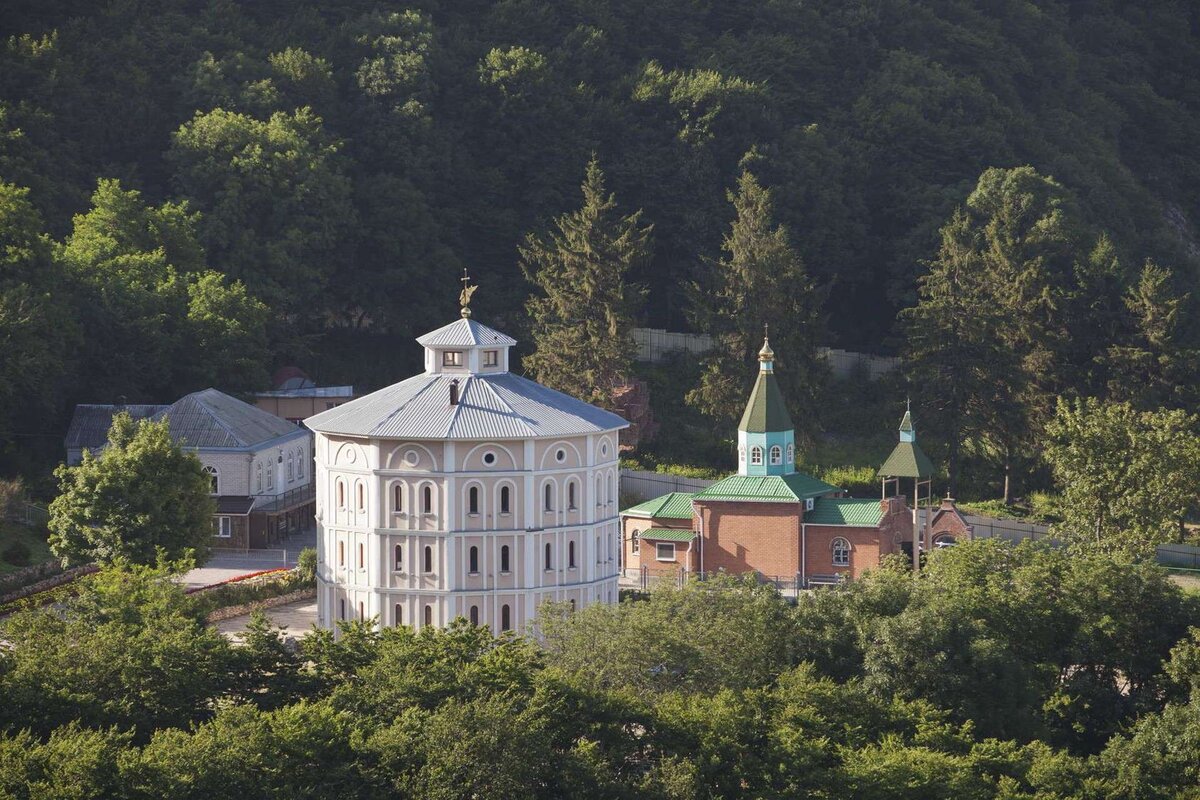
(239, 579)
(248, 589)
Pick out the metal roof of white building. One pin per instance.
(491, 406)
(466, 333)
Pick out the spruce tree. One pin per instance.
(760, 280)
(582, 315)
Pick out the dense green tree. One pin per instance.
(141, 496)
(1156, 366)
(1128, 478)
(72, 763)
(761, 280)
(127, 652)
(583, 311)
(36, 331)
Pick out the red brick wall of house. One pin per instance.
(750, 537)
(947, 519)
(867, 545)
(634, 561)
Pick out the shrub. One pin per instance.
(17, 554)
(306, 565)
(858, 481)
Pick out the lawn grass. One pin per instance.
(1188, 581)
(34, 539)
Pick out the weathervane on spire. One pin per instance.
(464, 297)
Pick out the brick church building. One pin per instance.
(770, 519)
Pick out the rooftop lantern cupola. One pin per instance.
(766, 439)
(466, 347)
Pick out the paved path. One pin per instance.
(225, 565)
(298, 617)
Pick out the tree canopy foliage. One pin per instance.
(1004, 672)
(342, 163)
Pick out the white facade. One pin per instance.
(464, 522)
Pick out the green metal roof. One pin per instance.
(845, 511)
(766, 410)
(674, 505)
(668, 535)
(908, 460)
(906, 423)
(766, 488)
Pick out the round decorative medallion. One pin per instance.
(411, 457)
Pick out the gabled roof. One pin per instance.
(310, 391)
(91, 421)
(491, 406)
(845, 511)
(766, 488)
(906, 424)
(674, 505)
(766, 410)
(907, 460)
(465, 333)
(669, 534)
(211, 419)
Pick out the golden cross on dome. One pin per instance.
(464, 297)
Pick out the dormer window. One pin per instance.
(452, 358)
(491, 358)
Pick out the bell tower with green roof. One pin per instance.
(766, 439)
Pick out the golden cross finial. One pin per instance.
(464, 297)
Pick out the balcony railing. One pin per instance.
(287, 500)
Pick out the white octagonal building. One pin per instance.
(465, 491)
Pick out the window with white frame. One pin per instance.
(491, 358)
(399, 558)
(300, 463)
(504, 500)
(548, 491)
(742, 454)
(270, 477)
(635, 543)
(664, 551)
(571, 496)
(291, 468)
(258, 477)
(791, 454)
(223, 527)
(776, 454)
(214, 483)
(841, 552)
(397, 498)
(755, 455)
(452, 358)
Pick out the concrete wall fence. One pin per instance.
(653, 344)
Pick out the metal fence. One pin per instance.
(1183, 556)
(639, 485)
(653, 344)
(1011, 530)
(29, 514)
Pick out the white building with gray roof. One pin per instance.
(465, 491)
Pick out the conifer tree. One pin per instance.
(582, 315)
(760, 280)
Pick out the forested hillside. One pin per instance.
(312, 177)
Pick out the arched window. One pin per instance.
(362, 558)
(214, 483)
(258, 477)
(549, 493)
(341, 494)
(362, 610)
(742, 455)
(341, 608)
(399, 614)
(571, 555)
(428, 559)
(756, 455)
(473, 559)
(571, 496)
(428, 615)
(362, 497)
(341, 554)
(944, 540)
(300, 462)
(473, 500)
(504, 558)
(291, 467)
(776, 454)
(270, 477)
(612, 489)
(791, 454)
(549, 560)
(427, 500)
(599, 490)
(597, 549)
(397, 498)
(841, 552)
(399, 558)
(504, 500)
(474, 615)
(505, 618)
(635, 542)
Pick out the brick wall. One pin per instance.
(751, 537)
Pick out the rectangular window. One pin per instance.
(452, 358)
(491, 358)
(222, 527)
(665, 551)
